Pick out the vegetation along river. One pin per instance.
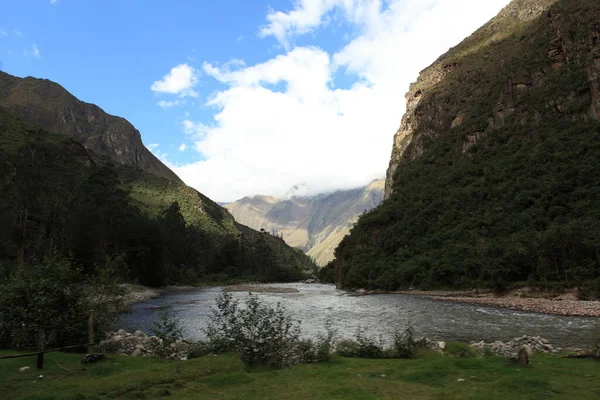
(314, 304)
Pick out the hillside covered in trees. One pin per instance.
(59, 194)
(493, 180)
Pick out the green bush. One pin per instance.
(403, 343)
(260, 334)
(459, 349)
(55, 296)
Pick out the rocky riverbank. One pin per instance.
(520, 300)
(138, 344)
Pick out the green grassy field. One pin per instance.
(430, 376)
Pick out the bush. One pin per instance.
(319, 350)
(54, 295)
(260, 334)
(347, 348)
(459, 349)
(362, 346)
(198, 349)
(167, 327)
(403, 343)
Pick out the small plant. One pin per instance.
(403, 342)
(367, 346)
(167, 328)
(347, 348)
(198, 349)
(260, 334)
(459, 349)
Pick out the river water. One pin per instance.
(378, 315)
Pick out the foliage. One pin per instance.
(518, 206)
(58, 197)
(403, 342)
(319, 350)
(54, 295)
(167, 327)
(459, 349)
(260, 334)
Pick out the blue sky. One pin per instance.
(261, 95)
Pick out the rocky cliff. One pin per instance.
(48, 105)
(493, 173)
(315, 224)
(483, 84)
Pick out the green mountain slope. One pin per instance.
(494, 173)
(59, 195)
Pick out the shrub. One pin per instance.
(362, 346)
(403, 342)
(459, 349)
(54, 295)
(198, 349)
(167, 327)
(260, 334)
(347, 348)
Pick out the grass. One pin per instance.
(431, 376)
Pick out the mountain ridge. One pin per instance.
(50, 106)
(314, 224)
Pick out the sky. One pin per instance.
(238, 97)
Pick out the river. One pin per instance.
(377, 314)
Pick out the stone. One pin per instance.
(121, 332)
(137, 353)
(139, 334)
(140, 347)
(442, 345)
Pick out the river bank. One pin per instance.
(528, 300)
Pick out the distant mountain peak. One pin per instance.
(316, 223)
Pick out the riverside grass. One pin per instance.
(430, 376)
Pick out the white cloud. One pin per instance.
(3, 32)
(172, 103)
(284, 122)
(152, 146)
(18, 33)
(182, 147)
(34, 52)
(53, 2)
(306, 16)
(180, 80)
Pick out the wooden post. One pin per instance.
(40, 347)
(90, 332)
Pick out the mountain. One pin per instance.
(315, 224)
(78, 182)
(49, 106)
(493, 178)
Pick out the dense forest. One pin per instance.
(499, 186)
(59, 198)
